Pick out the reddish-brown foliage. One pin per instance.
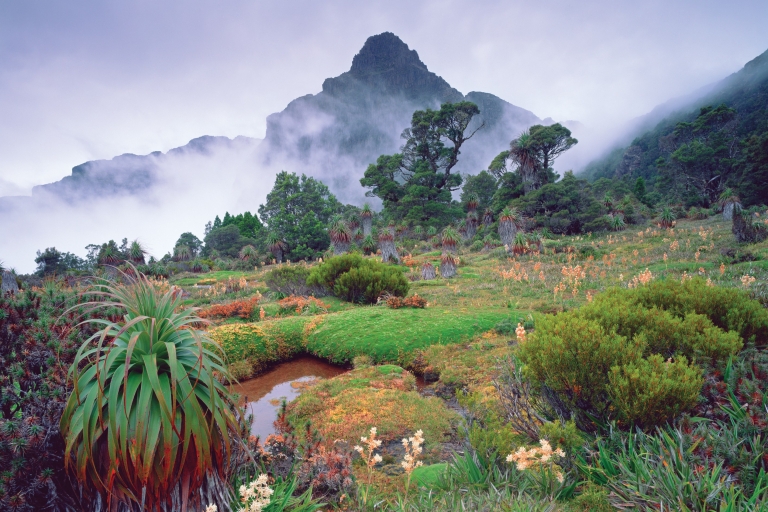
(301, 304)
(241, 308)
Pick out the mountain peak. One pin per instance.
(387, 65)
(383, 52)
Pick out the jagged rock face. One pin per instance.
(387, 65)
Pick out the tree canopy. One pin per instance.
(532, 154)
(297, 210)
(416, 184)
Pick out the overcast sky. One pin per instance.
(92, 79)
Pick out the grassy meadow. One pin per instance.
(460, 340)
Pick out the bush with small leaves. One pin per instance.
(292, 280)
(650, 392)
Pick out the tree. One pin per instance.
(52, 261)
(416, 184)
(483, 185)
(533, 152)
(227, 241)
(297, 211)
(191, 241)
(639, 189)
(702, 156)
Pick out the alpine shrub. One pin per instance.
(652, 391)
(368, 282)
(292, 280)
(356, 279)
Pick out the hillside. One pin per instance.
(746, 92)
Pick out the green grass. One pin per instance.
(391, 335)
(428, 476)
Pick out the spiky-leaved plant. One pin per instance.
(249, 253)
(520, 245)
(366, 217)
(449, 240)
(667, 218)
(471, 224)
(535, 240)
(488, 217)
(109, 254)
(369, 245)
(428, 271)
(472, 202)
(617, 222)
(608, 201)
(148, 424)
(136, 253)
(488, 243)
(340, 235)
(461, 228)
(182, 253)
(510, 222)
(197, 265)
(276, 245)
(418, 232)
(728, 200)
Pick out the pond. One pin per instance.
(265, 392)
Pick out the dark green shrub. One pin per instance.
(292, 280)
(652, 391)
(356, 279)
(328, 272)
(610, 359)
(664, 334)
(572, 356)
(728, 308)
(366, 283)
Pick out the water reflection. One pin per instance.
(265, 392)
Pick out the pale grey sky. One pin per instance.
(92, 79)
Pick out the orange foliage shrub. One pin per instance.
(413, 301)
(241, 308)
(409, 261)
(301, 304)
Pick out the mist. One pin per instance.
(90, 80)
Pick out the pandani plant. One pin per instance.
(520, 245)
(149, 425)
(136, 253)
(667, 218)
(449, 240)
(617, 222)
(510, 222)
(341, 237)
(276, 245)
(488, 217)
(366, 216)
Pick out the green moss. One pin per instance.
(392, 335)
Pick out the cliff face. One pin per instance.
(361, 113)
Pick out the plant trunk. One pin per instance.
(507, 233)
(9, 283)
(278, 254)
(428, 272)
(340, 248)
(367, 223)
(388, 250)
(447, 266)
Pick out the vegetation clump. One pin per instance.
(356, 279)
